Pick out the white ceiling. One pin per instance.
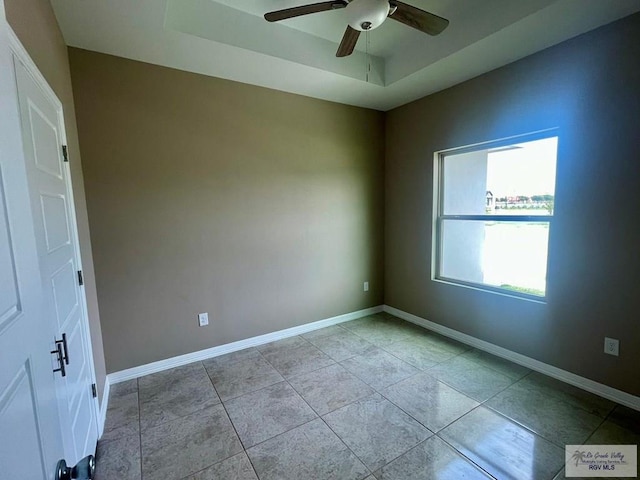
(230, 39)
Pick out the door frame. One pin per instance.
(23, 57)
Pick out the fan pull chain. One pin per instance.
(367, 57)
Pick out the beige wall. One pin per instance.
(35, 24)
(263, 208)
(588, 87)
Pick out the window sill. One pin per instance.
(490, 290)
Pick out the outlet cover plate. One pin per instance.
(203, 319)
(366, 286)
(611, 346)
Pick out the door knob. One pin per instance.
(66, 348)
(84, 470)
(60, 357)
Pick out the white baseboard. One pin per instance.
(618, 396)
(104, 404)
(180, 360)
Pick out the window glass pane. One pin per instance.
(516, 179)
(509, 255)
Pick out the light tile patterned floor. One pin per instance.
(374, 398)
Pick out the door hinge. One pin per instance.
(80, 278)
(65, 155)
(94, 390)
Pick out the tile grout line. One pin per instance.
(417, 420)
(301, 373)
(318, 416)
(382, 347)
(580, 407)
(539, 434)
(284, 380)
(489, 366)
(281, 433)
(244, 450)
(376, 347)
(344, 359)
(252, 391)
(375, 391)
(468, 413)
(229, 418)
(481, 402)
(178, 417)
(347, 446)
(462, 454)
(182, 416)
(511, 420)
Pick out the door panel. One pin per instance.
(65, 299)
(51, 198)
(9, 294)
(46, 159)
(18, 413)
(56, 223)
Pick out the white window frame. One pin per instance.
(439, 217)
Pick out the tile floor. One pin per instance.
(374, 398)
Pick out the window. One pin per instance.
(494, 208)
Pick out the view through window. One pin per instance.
(495, 206)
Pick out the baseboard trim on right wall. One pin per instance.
(618, 396)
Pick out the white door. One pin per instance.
(49, 182)
(30, 436)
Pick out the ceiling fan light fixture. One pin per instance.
(366, 15)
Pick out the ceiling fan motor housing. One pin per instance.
(367, 14)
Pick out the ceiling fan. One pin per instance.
(365, 15)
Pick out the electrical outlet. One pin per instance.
(366, 286)
(611, 346)
(203, 319)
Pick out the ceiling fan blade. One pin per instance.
(304, 10)
(419, 19)
(348, 43)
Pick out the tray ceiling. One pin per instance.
(230, 39)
